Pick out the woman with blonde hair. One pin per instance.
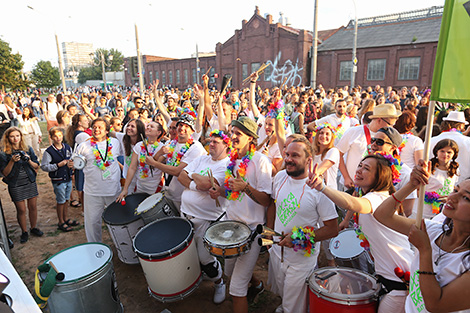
(368, 106)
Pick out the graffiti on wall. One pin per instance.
(289, 71)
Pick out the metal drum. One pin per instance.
(123, 225)
(347, 251)
(228, 239)
(89, 284)
(156, 207)
(168, 256)
(79, 161)
(342, 290)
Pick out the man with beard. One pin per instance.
(296, 205)
(200, 208)
(339, 120)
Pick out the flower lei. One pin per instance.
(144, 168)
(432, 198)
(276, 110)
(405, 137)
(395, 165)
(325, 125)
(102, 165)
(358, 229)
(304, 239)
(189, 111)
(174, 160)
(233, 195)
(452, 130)
(224, 137)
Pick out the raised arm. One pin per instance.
(252, 102)
(158, 101)
(203, 95)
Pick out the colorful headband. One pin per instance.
(325, 125)
(224, 137)
(395, 165)
(189, 111)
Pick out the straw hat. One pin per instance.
(385, 110)
(455, 116)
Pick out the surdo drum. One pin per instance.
(228, 239)
(342, 290)
(155, 207)
(168, 256)
(123, 224)
(89, 284)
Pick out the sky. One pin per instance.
(165, 28)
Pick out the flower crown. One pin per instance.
(325, 125)
(395, 165)
(224, 137)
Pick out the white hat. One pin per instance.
(456, 116)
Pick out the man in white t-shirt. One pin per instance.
(339, 120)
(296, 205)
(355, 141)
(51, 108)
(249, 192)
(200, 208)
(102, 176)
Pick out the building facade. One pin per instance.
(77, 55)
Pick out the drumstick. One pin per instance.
(261, 68)
(264, 141)
(146, 150)
(208, 70)
(282, 249)
(211, 178)
(282, 85)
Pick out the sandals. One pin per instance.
(72, 223)
(64, 227)
(75, 203)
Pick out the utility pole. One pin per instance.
(313, 74)
(139, 61)
(61, 67)
(198, 69)
(354, 58)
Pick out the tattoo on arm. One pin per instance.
(251, 195)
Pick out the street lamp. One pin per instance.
(103, 65)
(354, 58)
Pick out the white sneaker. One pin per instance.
(219, 292)
(279, 309)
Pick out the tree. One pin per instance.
(44, 75)
(11, 66)
(89, 73)
(115, 65)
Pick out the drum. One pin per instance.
(339, 289)
(347, 251)
(168, 256)
(123, 225)
(228, 239)
(79, 161)
(155, 207)
(89, 284)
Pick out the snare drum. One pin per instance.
(347, 251)
(79, 161)
(123, 225)
(339, 289)
(228, 239)
(168, 256)
(89, 284)
(156, 207)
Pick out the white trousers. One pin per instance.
(93, 209)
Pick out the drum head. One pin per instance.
(164, 237)
(346, 245)
(118, 214)
(226, 233)
(149, 203)
(79, 162)
(343, 284)
(81, 261)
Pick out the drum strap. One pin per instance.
(389, 285)
(168, 180)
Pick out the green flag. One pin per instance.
(451, 79)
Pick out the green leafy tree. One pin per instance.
(11, 66)
(114, 65)
(89, 73)
(44, 75)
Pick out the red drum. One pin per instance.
(342, 290)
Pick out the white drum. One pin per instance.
(79, 161)
(347, 251)
(156, 207)
(168, 256)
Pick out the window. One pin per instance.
(409, 68)
(163, 78)
(151, 76)
(244, 71)
(376, 69)
(203, 71)
(178, 81)
(156, 75)
(170, 77)
(185, 74)
(268, 72)
(211, 76)
(345, 69)
(194, 75)
(255, 66)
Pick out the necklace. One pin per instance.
(144, 168)
(100, 161)
(405, 137)
(174, 160)
(357, 228)
(233, 195)
(440, 244)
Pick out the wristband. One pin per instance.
(324, 186)
(393, 196)
(193, 186)
(426, 273)
(253, 82)
(190, 175)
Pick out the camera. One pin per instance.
(23, 156)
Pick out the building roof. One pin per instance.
(389, 30)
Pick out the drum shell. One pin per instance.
(122, 236)
(161, 209)
(227, 251)
(95, 293)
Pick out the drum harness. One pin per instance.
(389, 285)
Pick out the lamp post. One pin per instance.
(103, 63)
(354, 58)
(313, 73)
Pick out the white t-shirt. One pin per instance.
(52, 109)
(412, 145)
(449, 267)
(353, 145)
(335, 121)
(298, 205)
(146, 181)
(258, 174)
(388, 247)
(331, 173)
(405, 173)
(81, 138)
(99, 182)
(175, 189)
(199, 203)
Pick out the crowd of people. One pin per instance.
(306, 163)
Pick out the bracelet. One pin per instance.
(253, 82)
(426, 273)
(393, 196)
(324, 186)
(246, 187)
(193, 186)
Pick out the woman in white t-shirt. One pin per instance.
(390, 249)
(28, 124)
(148, 177)
(412, 147)
(440, 275)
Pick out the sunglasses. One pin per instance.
(379, 142)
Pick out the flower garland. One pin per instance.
(452, 130)
(144, 168)
(405, 138)
(224, 137)
(174, 160)
(189, 111)
(233, 195)
(326, 125)
(357, 228)
(304, 239)
(276, 110)
(395, 165)
(432, 198)
(102, 164)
